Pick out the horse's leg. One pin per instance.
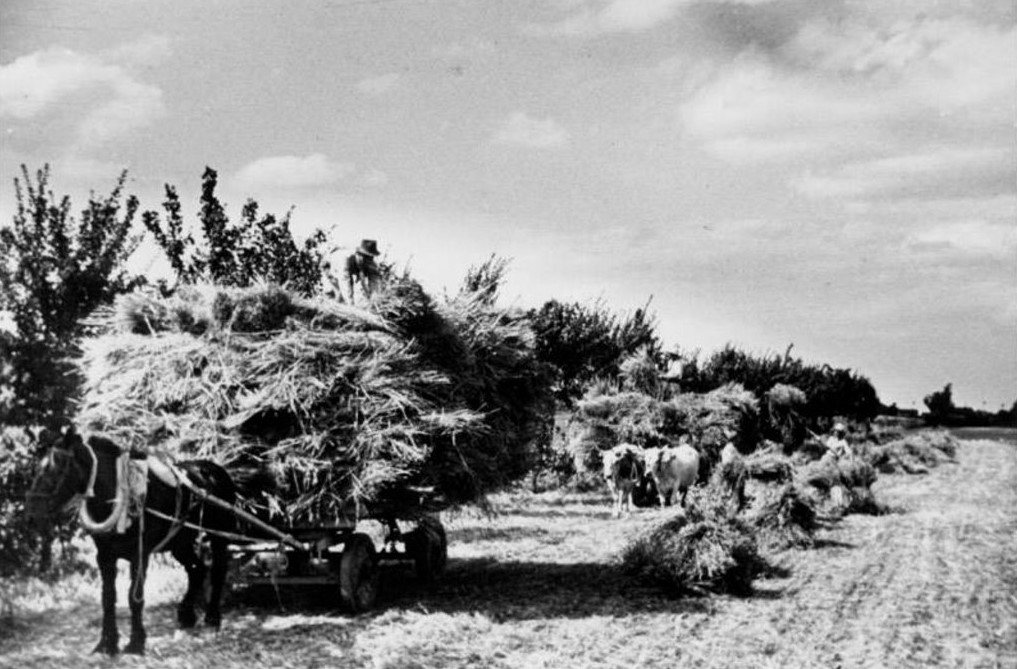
(136, 600)
(183, 551)
(107, 563)
(220, 564)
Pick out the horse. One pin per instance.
(87, 475)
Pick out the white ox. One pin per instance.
(672, 469)
(623, 469)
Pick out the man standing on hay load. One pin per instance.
(361, 268)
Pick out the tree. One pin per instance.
(56, 270)
(940, 404)
(585, 342)
(258, 248)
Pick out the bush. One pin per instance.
(23, 549)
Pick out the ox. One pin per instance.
(623, 469)
(673, 470)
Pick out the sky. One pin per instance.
(836, 175)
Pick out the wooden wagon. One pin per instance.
(336, 554)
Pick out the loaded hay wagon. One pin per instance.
(325, 415)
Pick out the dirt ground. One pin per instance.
(933, 584)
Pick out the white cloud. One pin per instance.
(291, 172)
(375, 86)
(620, 16)
(943, 172)
(32, 84)
(524, 130)
(976, 237)
(855, 109)
(107, 99)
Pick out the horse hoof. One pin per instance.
(135, 648)
(106, 648)
(187, 619)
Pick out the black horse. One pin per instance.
(67, 471)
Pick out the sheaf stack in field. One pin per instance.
(349, 407)
(785, 516)
(769, 465)
(704, 548)
(783, 406)
(913, 453)
(843, 484)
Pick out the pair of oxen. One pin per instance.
(672, 470)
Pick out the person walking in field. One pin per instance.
(362, 268)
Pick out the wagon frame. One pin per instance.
(336, 555)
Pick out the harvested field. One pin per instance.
(932, 585)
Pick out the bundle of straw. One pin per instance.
(769, 466)
(914, 453)
(728, 414)
(784, 405)
(604, 420)
(705, 548)
(785, 517)
(349, 406)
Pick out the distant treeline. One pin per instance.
(942, 411)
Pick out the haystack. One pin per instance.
(785, 517)
(784, 415)
(844, 485)
(769, 465)
(728, 414)
(711, 420)
(604, 420)
(705, 548)
(351, 408)
(914, 453)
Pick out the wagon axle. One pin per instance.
(342, 557)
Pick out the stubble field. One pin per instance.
(933, 584)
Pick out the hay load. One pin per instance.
(350, 408)
(710, 420)
(728, 414)
(784, 407)
(604, 420)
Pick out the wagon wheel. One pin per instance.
(358, 573)
(428, 546)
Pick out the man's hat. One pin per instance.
(368, 247)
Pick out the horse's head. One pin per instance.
(63, 475)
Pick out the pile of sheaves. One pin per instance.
(403, 406)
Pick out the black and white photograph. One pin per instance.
(508, 334)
